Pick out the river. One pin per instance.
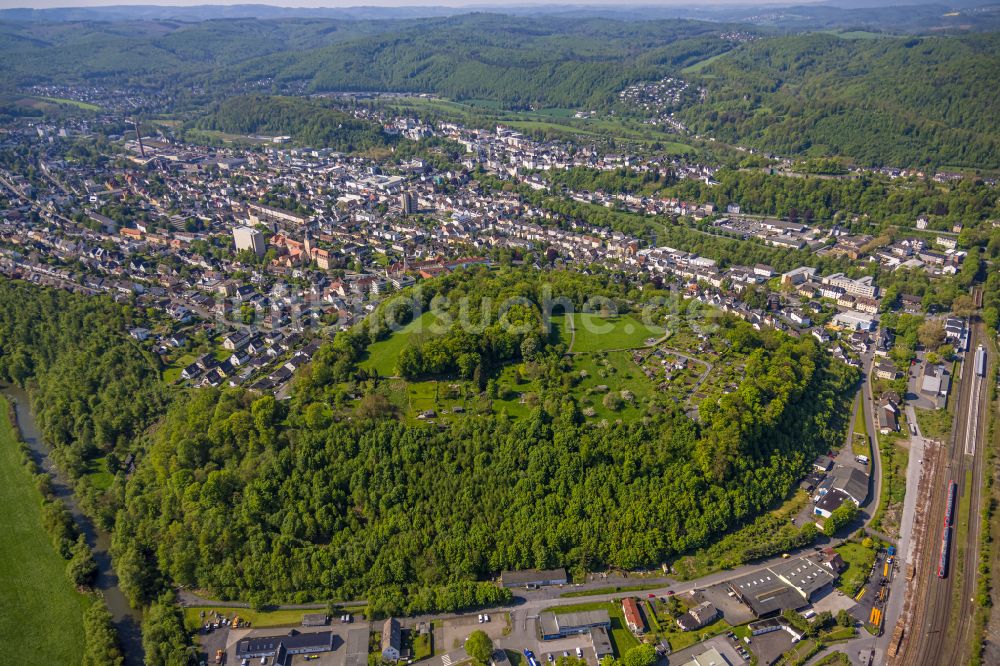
(127, 620)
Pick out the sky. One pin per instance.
(6, 4)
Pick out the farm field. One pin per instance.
(38, 600)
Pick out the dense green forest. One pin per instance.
(897, 102)
(93, 389)
(516, 61)
(309, 122)
(252, 498)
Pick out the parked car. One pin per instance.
(579, 653)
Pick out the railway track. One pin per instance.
(939, 631)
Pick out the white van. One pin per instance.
(862, 459)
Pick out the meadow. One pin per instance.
(594, 332)
(41, 617)
(382, 355)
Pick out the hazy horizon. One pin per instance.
(341, 4)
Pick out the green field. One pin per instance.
(702, 64)
(595, 332)
(72, 102)
(382, 355)
(859, 443)
(859, 562)
(41, 617)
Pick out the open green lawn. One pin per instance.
(859, 443)
(859, 562)
(595, 332)
(98, 474)
(382, 355)
(41, 615)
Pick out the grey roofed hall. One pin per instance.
(852, 481)
(533, 577)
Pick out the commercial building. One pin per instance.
(710, 657)
(248, 238)
(555, 626)
(533, 578)
(602, 642)
(862, 287)
(284, 647)
(789, 584)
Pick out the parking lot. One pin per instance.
(451, 634)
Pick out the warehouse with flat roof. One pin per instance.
(566, 624)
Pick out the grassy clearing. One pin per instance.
(702, 64)
(935, 423)
(41, 617)
(800, 653)
(859, 443)
(277, 618)
(382, 355)
(595, 332)
(859, 562)
(98, 474)
(72, 102)
(894, 460)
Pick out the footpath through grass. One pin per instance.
(41, 615)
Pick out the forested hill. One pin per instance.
(307, 121)
(264, 501)
(888, 101)
(512, 60)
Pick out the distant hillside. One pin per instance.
(896, 101)
(514, 61)
(307, 121)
